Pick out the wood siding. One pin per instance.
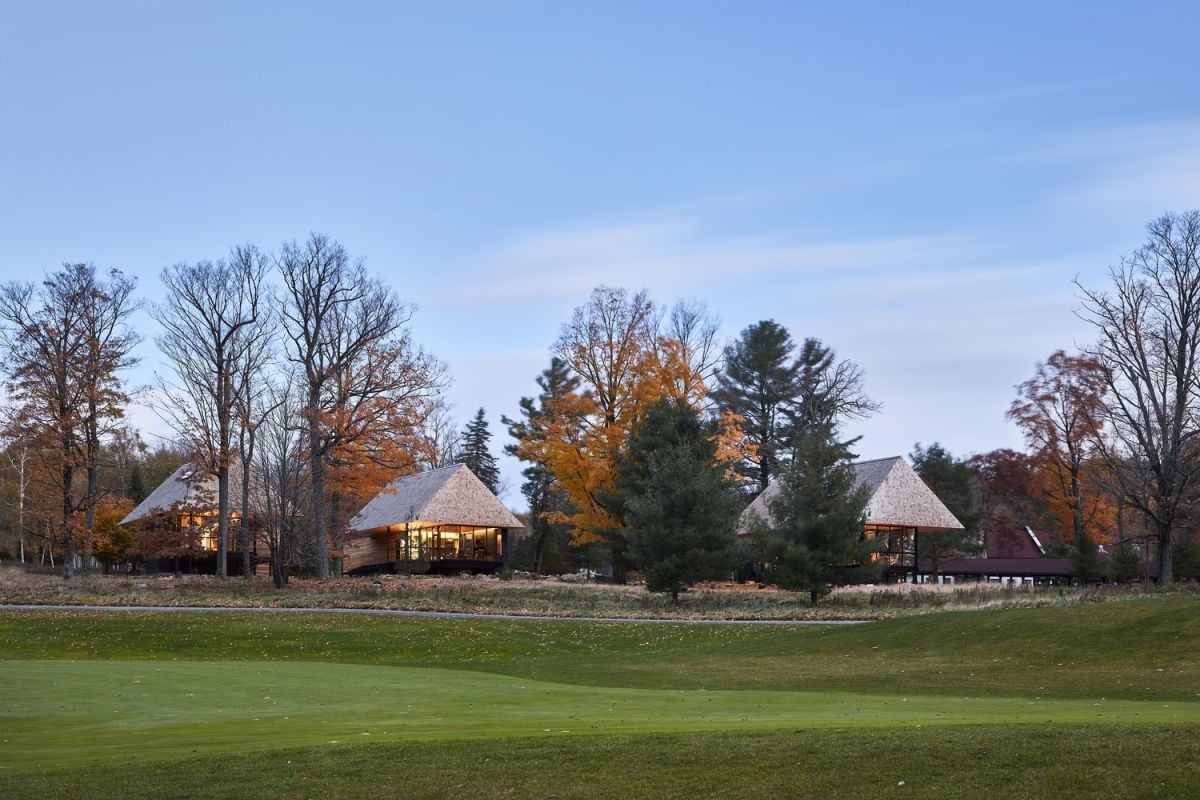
(364, 550)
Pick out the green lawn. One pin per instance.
(1079, 701)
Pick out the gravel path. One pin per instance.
(435, 614)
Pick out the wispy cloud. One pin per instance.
(1122, 172)
(668, 253)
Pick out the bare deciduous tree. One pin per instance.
(697, 330)
(363, 379)
(280, 500)
(1148, 332)
(109, 346)
(440, 436)
(44, 343)
(829, 391)
(215, 330)
(66, 342)
(604, 342)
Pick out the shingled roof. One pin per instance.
(187, 487)
(447, 496)
(896, 496)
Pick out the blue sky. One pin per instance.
(918, 184)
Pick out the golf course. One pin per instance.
(1099, 700)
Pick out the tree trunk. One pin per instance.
(814, 596)
(21, 504)
(539, 550)
(245, 527)
(320, 522)
(90, 499)
(68, 534)
(278, 573)
(335, 531)
(1165, 566)
(93, 450)
(222, 520)
(89, 544)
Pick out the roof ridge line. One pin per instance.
(873, 460)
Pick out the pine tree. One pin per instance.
(1126, 564)
(758, 383)
(137, 484)
(1185, 560)
(547, 501)
(680, 507)
(474, 452)
(814, 539)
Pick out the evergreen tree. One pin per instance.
(758, 383)
(680, 506)
(950, 479)
(474, 453)
(1126, 564)
(814, 539)
(1185, 560)
(548, 503)
(137, 484)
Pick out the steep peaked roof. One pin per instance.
(450, 496)
(1013, 544)
(186, 486)
(896, 496)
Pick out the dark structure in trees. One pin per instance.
(1059, 410)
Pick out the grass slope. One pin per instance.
(1029, 702)
(75, 712)
(1138, 649)
(1014, 762)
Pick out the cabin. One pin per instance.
(182, 510)
(900, 507)
(445, 520)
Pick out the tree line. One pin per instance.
(1110, 466)
(292, 377)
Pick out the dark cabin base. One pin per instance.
(200, 565)
(445, 566)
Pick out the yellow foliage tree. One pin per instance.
(625, 367)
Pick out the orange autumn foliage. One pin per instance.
(1098, 510)
(1057, 410)
(586, 431)
(375, 438)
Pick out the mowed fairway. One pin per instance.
(1083, 701)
